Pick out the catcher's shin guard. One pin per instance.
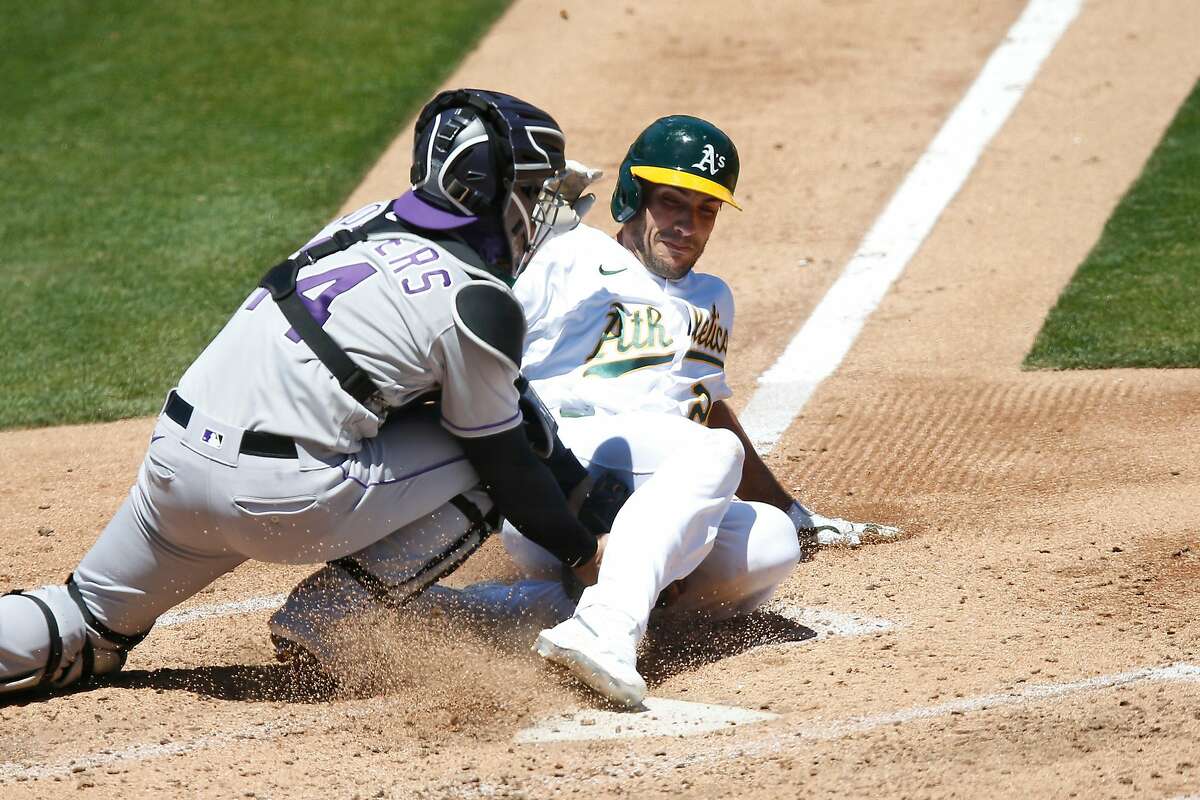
(387, 574)
(49, 639)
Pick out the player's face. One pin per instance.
(670, 232)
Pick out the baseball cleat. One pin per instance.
(307, 674)
(592, 659)
(838, 532)
(310, 616)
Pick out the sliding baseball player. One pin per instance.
(627, 345)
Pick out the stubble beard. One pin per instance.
(653, 263)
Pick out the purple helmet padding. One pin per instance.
(411, 208)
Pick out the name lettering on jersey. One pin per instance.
(710, 160)
(708, 334)
(634, 337)
(400, 254)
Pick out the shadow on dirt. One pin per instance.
(673, 646)
(244, 682)
(682, 644)
(255, 683)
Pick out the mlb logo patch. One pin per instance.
(212, 439)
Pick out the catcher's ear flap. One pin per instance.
(627, 197)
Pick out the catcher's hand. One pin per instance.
(585, 575)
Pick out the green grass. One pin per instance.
(1135, 300)
(156, 158)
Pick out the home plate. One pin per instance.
(826, 622)
(661, 717)
(664, 717)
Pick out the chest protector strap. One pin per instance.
(280, 281)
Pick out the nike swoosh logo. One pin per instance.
(604, 271)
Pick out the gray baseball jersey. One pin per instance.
(389, 303)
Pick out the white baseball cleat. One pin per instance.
(608, 667)
(838, 532)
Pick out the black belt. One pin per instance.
(254, 443)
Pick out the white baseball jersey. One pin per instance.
(606, 336)
(389, 303)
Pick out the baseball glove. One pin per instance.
(596, 501)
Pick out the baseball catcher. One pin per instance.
(362, 408)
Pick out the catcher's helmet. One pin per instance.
(682, 151)
(482, 159)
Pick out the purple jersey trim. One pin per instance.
(411, 208)
(367, 484)
(481, 427)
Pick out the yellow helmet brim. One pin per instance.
(685, 180)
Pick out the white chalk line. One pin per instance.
(1186, 673)
(823, 341)
(197, 613)
(827, 622)
(716, 749)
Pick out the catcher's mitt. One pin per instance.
(596, 501)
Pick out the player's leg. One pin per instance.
(683, 475)
(322, 513)
(663, 533)
(143, 563)
(417, 515)
(755, 550)
(388, 574)
(534, 561)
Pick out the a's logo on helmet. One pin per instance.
(710, 161)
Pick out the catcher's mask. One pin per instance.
(678, 150)
(489, 161)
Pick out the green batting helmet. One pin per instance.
(678, 150)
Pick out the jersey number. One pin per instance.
(702, 405)
(343, 279)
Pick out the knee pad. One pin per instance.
(55, 641)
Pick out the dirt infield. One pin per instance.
(1045, 599)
